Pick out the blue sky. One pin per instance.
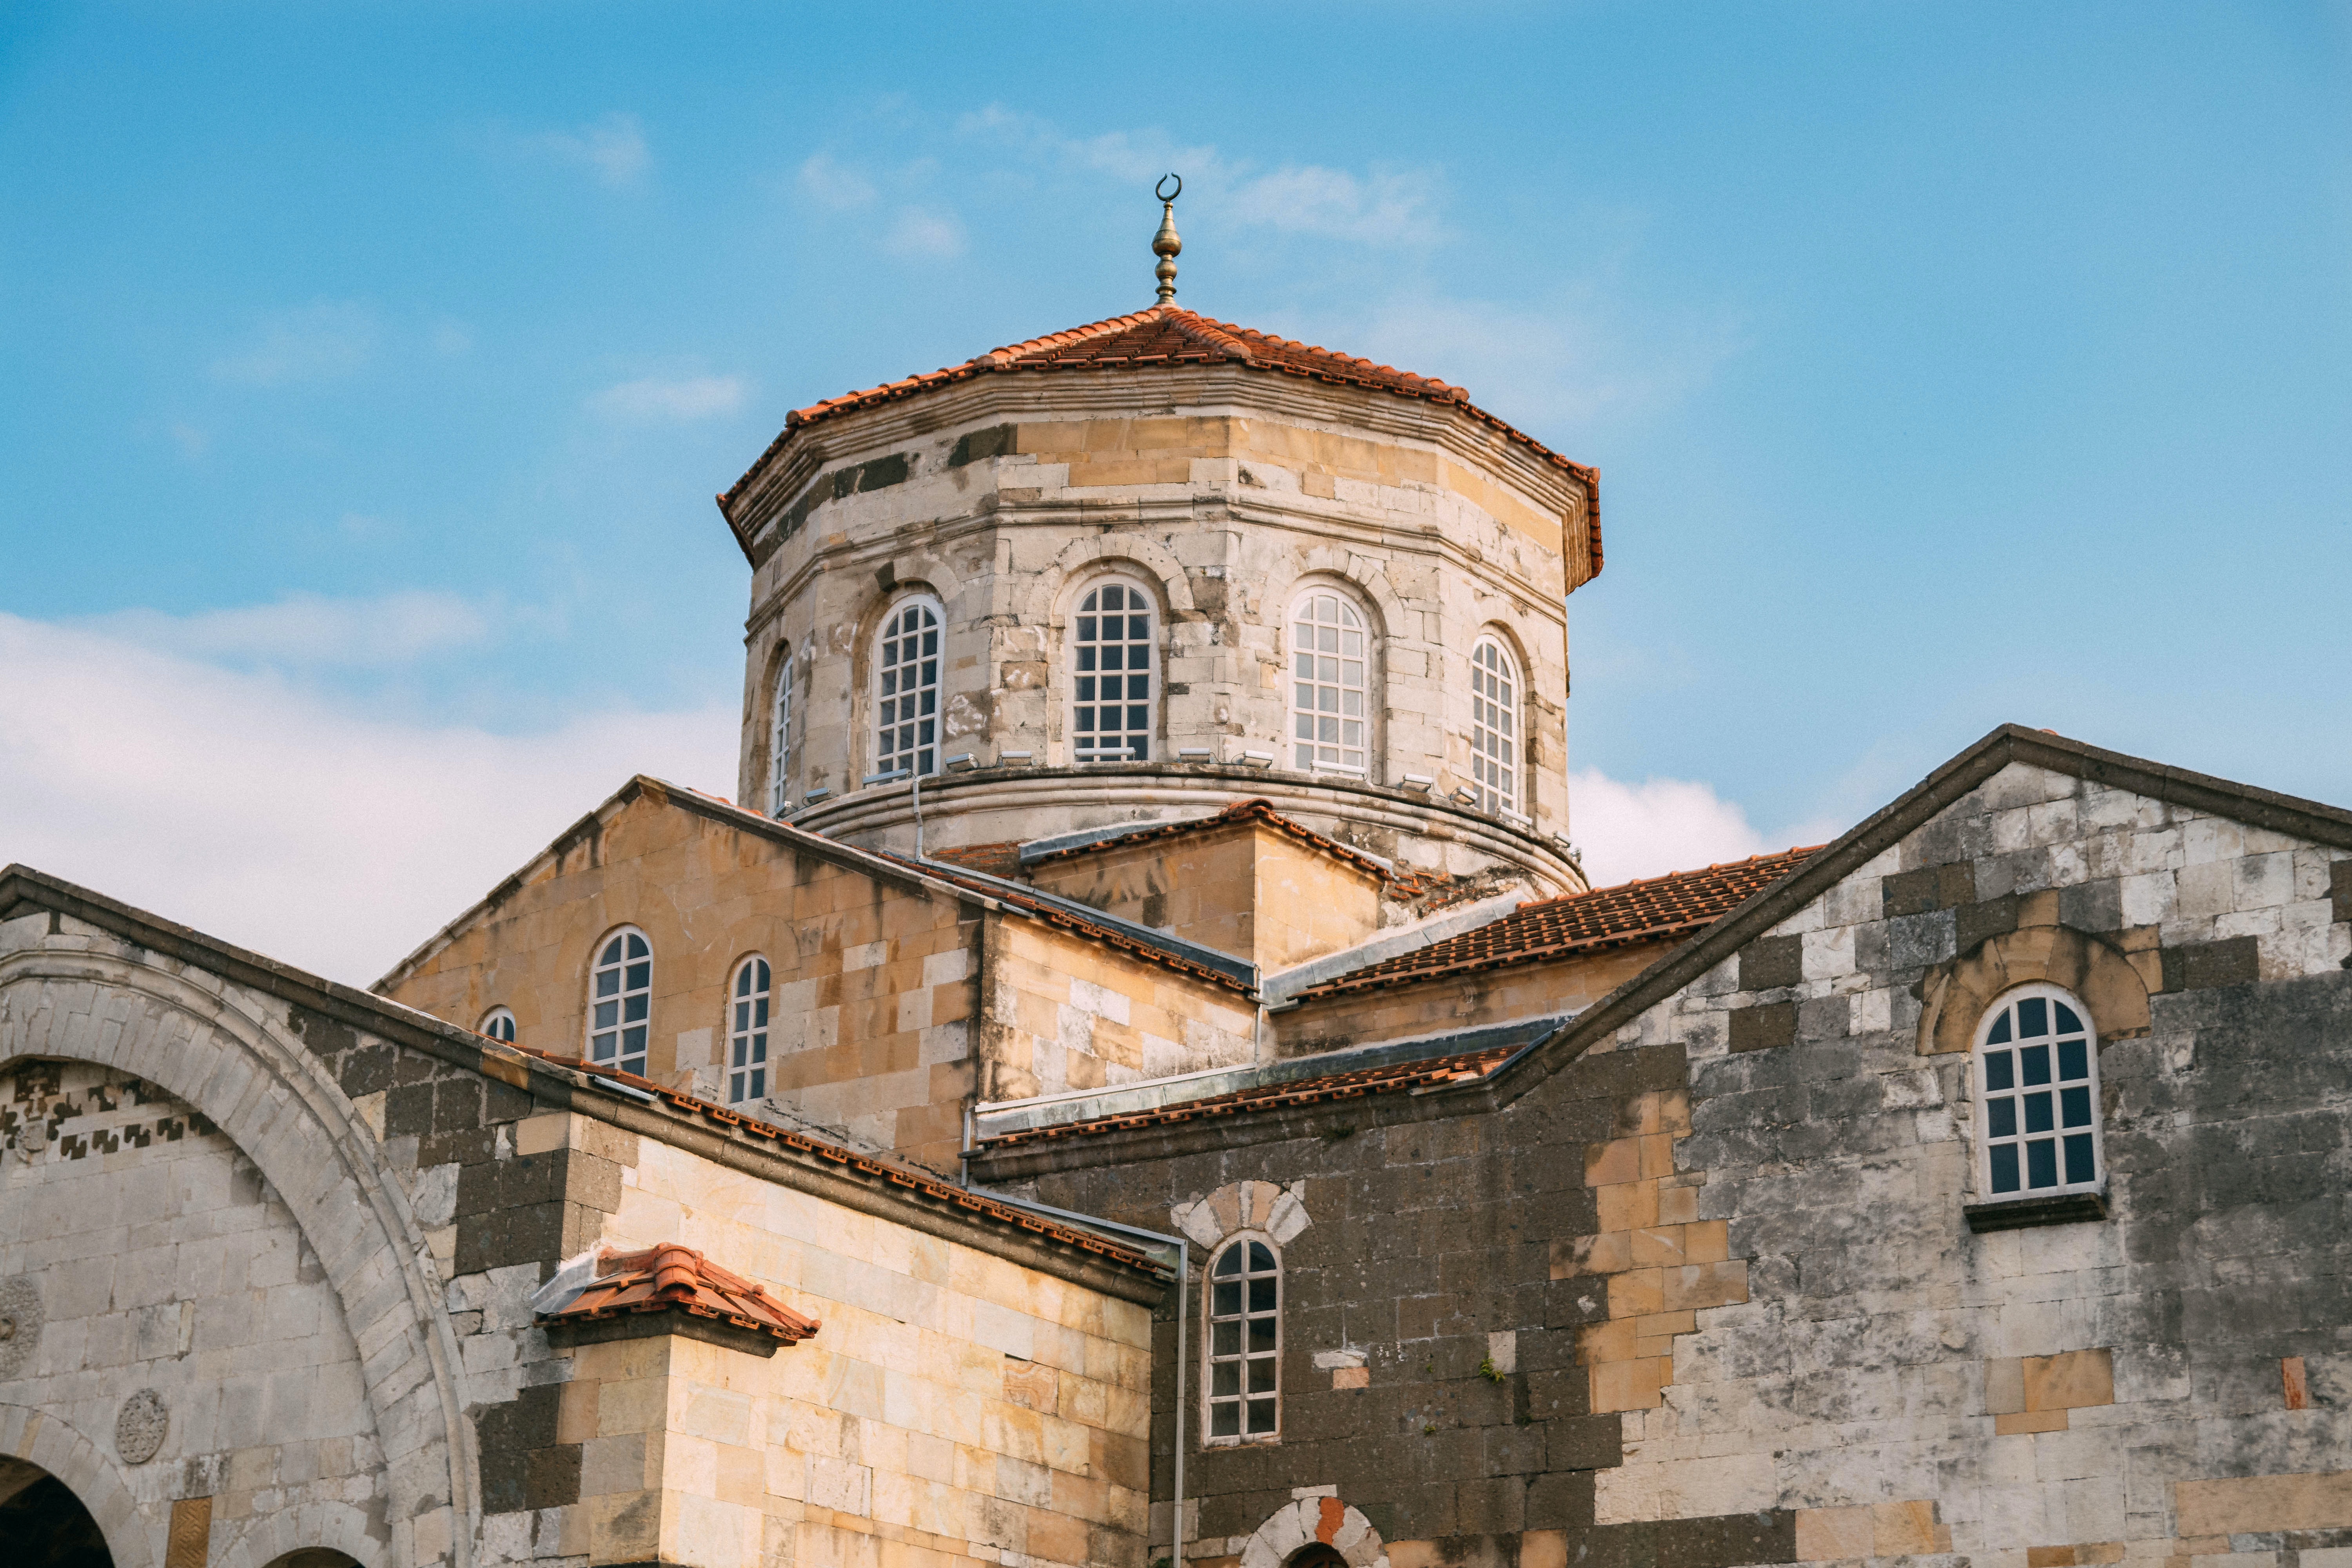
(372, 369)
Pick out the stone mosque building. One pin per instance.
(1138, 1075)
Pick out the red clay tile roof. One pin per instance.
(1466, 1068)
(1244, 811)
(1167, 335)
(673, 1278)
(999, 859)
(1657, 910)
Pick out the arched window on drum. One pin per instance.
(1331, 724)
(1113, 675)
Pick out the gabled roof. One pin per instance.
(1259, 810)
(1166, 336)
(1658, 908)
(673, 1278)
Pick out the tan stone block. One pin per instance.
(1673, 1113)
(1699, 1285)
(1613, 1163)
(2028, 1422)
(1627, 1205)
(2073, 1380)
(1678, 1205)
(1626, 1385)
(1639, 1291)
(1611, 1340)
(575, 1412)
(1401, 1555)
(1351, 1377)
(1907, 1529)
(1658, 1245)
(1828, 1534)
(1537, 1548)
(2260, 1504)
(1658, 1323)
(1707, 1240)
(1658, 1155)
(1055, 1537)
(2049, 1557)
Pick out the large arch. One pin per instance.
(48, 1442)
(270, 1540)
(119, 1005)
(1315, 1521)
(1957, 993)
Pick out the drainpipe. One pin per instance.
(1183, 1312)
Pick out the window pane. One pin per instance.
(2004, 1168)
(1225, 1421)
(2074, 1104)
(2073, 1059)
(2034, 1062)
(607, 1015)
(2042, 1163)
(735, 1087)
(2080, 1167)
(2000, 1070)
(1261, 1333)
(1261, 1415)
(2032, 1017)
(608, 981)
(2001, 1118)
(1230, 1262)
(638, 948)
(2037, 1113)
(1260, 1375)
(1260, 1257)
(2067, 1023)
(1228, 1339)
(1261, 1292)
(758, 1082)
(1229, 1300)
(1225, 1377)
(1999, 1035)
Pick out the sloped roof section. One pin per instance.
(1259, 810)
(1164, 336)
(1658, 908)
(673, 1278)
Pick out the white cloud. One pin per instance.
(679, 402)
(308, 829)
(920, 232)
(316, 343)
(309, 630)
(451, 338)
(614, 149)
(1647, 829)
(836, 186)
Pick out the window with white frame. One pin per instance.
(1328, 652)
(746, 1032)
(621, 998)
(1111, 675)
(780, 732)
(2037, 1092)
(1244, 1341)
(1495, 727)
(500, 1025)
(907, 690)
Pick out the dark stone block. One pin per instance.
(2093, 906)
(1563, 1499)
(1730, 1541)
(1916, 941)
(1824, 1019)
(1770, 962)
(457, 1104)
(408, 1110)
(365, 1069)
(1760, 1028)
(2204, 965)
(1585, 1443)
(1929, 887)
(551, 1477)
(504, 1103)
(1490, 1507)
(977, 444)
(1977, 924)
(2339, 888)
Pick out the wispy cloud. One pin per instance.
(310, 630)
(920, 232)
(1647, 829)
(656, 401)
(611, 151)
(320, 341)
(451, 338)
(834, 183)
(311, 829)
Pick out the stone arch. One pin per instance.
(47, 1441)
(1361, 573)
(1956, 995)
(1147, 558)
(265, 1539)
(1316, 1521)
(1267, 1207)
(184, 1031)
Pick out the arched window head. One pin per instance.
(1495, 727)
(1111, 662)
(621, 998)
(779, 734)
(2037, 1093)
(1245, 1390)
(499, 1024)
(747, 1033)
(907, 690)
(1329, 726)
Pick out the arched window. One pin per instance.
(1244, 1341)
(780, 732)
(499, 1024)
(1110, 686)
(1495, 727)
(1328, 696)
(747, 1033)
(2037, 1092)
(622, 996)
(907, 690)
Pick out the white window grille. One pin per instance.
(747, 1033)
(621, 999)
(780, 734)
(498, 1025)
(1244, 1342)
(2037, 1088)
(1327, 655)
(907, 690)
(1495, 727)
(1111, 674)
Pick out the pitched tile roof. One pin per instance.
(1001, 859)
(1259, 810)
(1464, 1068)
(1167, 335)
(673, 1278)
(1658, 908)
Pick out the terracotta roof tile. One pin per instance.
(1167, 335)
(1259, 810)
(999, 859)
(1656, 910)
(673, 1278)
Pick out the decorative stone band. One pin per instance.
(624, 1288)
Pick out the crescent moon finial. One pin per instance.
(1160, 194)
(1165, 244)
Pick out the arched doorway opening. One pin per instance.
(44, 1524)
(1316, 1554)
(314, 1557)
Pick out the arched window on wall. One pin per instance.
(746, 1032)
(780, 732)
(621, 1000)
(1244, 1384)
(1111, 660)
(2037, 1092)
(1330, 695)
(906, 688)
(498, 1025)
(1495, 727)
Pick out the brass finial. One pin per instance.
(1165, 244)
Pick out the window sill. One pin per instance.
(2019, 1214)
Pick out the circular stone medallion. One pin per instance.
(139, 1430)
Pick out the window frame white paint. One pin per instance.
(1365, 691)
(493, 1020)
(750, 1021)
(780, 732)
(1077, 650)
(1511, 708)
(620, 998)
(1984, 1096)
(886, 762)
(1211, 1360)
